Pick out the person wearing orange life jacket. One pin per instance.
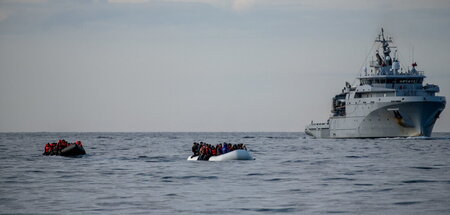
(64, 144)
(54, 149)
(214, 151)
(206, 152)
(59, 146)
(79, 143)
(48, 149)
(209, 149)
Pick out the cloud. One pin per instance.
(24, 1)
(128, 1)
(374, 4)
(239, 5)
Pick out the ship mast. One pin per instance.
(387, 61)
(385, 64)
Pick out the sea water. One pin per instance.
(147, 173)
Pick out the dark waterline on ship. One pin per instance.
(142, 173)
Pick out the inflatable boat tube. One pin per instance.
(73, 150)
(234, 155)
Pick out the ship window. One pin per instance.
(410, 81)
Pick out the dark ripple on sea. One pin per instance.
(147, 173)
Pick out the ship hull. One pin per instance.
(385, 119)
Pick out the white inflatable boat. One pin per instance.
(234, 155)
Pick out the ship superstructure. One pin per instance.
(387, 101)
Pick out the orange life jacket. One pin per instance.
(48, 148)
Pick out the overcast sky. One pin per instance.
(200, 65)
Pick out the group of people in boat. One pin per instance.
(204, 151)
(57, 148)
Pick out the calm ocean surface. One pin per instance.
(147, 173)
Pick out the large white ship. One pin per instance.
(388, 100)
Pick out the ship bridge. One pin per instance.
(402, 84)
(393, 81)
(386, 77)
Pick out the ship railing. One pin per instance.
(420, 73)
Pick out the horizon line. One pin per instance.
(168, 132)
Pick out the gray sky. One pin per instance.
(200, 65)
